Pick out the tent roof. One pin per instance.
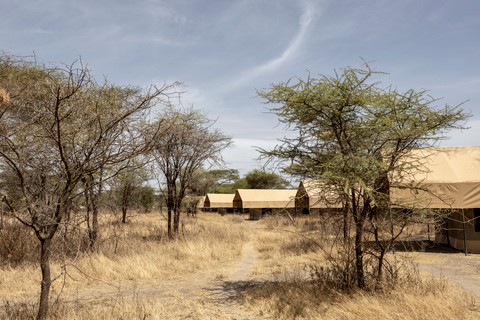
(219, 200)
(452, 177)
(265, 198)
(451, 165)
(319, 195)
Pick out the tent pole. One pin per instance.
(464, 233)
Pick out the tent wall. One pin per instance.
(450, 231)
(312, 197)
(452, 178)
(218, 200)
(264, 198)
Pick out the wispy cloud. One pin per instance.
(305, 21)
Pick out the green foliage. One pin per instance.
(255, 179)
(259, 179)
(146, 197)
(232, 187)
(355, 137)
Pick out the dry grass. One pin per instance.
(143, 276)
(134, 252)
(4, 97)
(295, 293)
(300, 299)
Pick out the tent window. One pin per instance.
(476, 214)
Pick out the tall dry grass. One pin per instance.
(134, 261)
(127, 254)
(304, 287)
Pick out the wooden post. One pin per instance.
(1, 223)
(464, 233)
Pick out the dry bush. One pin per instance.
(18, 310)
(236, 218)
(306, 285)
(319, 293)
(18, 245)
(277, 222)
(427, 298)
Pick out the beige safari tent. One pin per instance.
(219, 202)
(313, 197)
(258, 202)
(451, 182)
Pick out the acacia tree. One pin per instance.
(189, 143)
(58, 127)
(126, 183)
(355, 137)
(260, 179)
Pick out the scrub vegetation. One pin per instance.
(138, 273)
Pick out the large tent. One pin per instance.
(450, 179)
(221, 202)
(313, 196)
(258, 202)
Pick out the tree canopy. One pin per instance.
(188, 143)
(354, 136)
(59, 125)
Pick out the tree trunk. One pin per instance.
(95, 226)
(359, 253)
(176, 218)
(124, 214)
(359, 218)
(94, 231)
(169, 222)
(345, 224)
(176, 221)
(46, 278)
(382, 250)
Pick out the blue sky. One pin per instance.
(222, 50)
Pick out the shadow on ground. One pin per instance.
(423, 246)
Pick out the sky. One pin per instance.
(223, 51)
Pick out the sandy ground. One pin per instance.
(455, 266)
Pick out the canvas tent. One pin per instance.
(313, 197)
(219, 202)
(451, 180)
(258, 202)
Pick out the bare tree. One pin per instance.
(126, 183)
(59, 127)
(187, 144)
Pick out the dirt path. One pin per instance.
(216, 293)
(461, 269)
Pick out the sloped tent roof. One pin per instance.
(318, 195)
(219, 200)
(264, 198)
(452, 179)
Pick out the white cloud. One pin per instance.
(305, 21)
